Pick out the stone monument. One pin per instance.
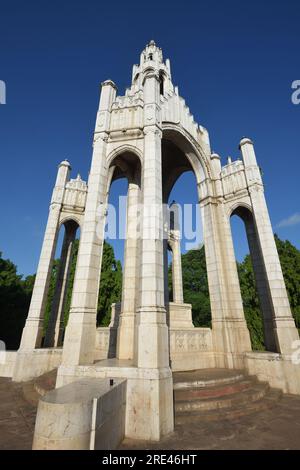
(150, 137)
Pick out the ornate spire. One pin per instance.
(151, 59)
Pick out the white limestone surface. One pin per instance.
(87, 414)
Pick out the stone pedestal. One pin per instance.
(180, 316)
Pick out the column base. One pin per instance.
(152, 338)
(280, 334)
(32, 335)
(125, 338)
(80, 338)
(150, 409)
(180, 315)
(231, 339)
(286, 334)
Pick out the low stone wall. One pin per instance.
(31, 364)
(7, 363)
(87, 414)
(191, 349)
(106, 343)
(276, 369)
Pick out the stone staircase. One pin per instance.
(218, 394)
(205, 395)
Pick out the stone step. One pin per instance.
(214, 392)
(192, 403)
(234, 412)
(46, 382)
(206, 378)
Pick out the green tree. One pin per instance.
(14, 303)
(28, 284)
(195, 285)
(289, 257)
(71, 280)
(251, 303)
(110, 285)
(51, 291)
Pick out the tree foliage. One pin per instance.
(290, 262)
(15, 295)
(251, 303)
(110, 286)
(195, 286)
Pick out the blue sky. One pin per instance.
(234, 63)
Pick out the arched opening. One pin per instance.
(119, 260)
(161, 83)
(110, 288)
(185, 265)
(61, 284)
(253, 281)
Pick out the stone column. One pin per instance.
(282, 321)
(54, 334)
(152, 313)
(230, 333)
(176, 268)
(126, 329)
(33, 330)
(79, 342)
(151, 393)
(261, 283)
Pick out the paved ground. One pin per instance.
(17, 415)
(278, 428)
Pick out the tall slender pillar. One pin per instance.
(126, 329)
(152, 313)
(79, 342)
(284, 328)
(230, 333)
(55, 328)
(33, 330)
(153, 390)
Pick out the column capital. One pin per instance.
(153, 129)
